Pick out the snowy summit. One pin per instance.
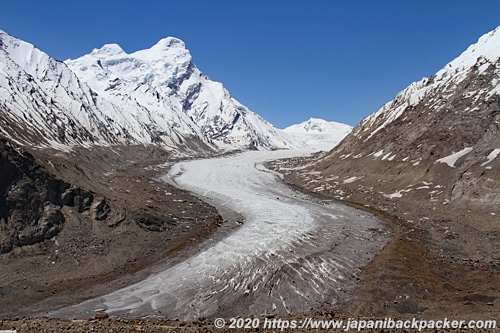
(318, 133)
(167, 90)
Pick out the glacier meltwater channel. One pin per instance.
(292, 254)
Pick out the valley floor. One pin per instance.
(291, 253)
(406, 279)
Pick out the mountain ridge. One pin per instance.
(44, 102)
(165, 77)
(432, 153)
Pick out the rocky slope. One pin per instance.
(442, 131)
(77, 224)
(437, 141)
(429, 162)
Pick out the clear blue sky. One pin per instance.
(287, 60)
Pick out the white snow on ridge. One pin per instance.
(164, 84)
(484, 52)
(48, 94)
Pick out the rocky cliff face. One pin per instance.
(31, 201)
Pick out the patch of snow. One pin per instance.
(343, 157)
(452, 159)
(397, 194)
(491, 156)
(388, 157)
(351, 179)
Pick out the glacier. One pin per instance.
(292, 253)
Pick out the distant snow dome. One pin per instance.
(169, 42)
(109, 50)
(319, 134)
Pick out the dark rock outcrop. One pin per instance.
(32, 198)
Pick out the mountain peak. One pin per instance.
(168, 42)
(314, 124)
(318, 125)
(319, 133)
(109, 50)
(162, 88)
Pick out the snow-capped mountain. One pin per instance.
(42, 101)
(154, 96)
(318, 133)
(443, 130)
(454, 109)
(165, 81)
